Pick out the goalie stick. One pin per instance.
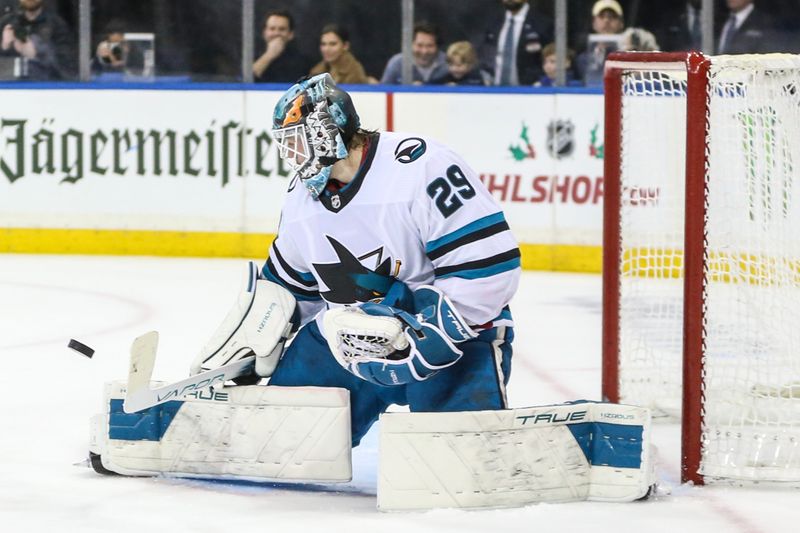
(140, 396)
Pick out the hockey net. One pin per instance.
(702, 255)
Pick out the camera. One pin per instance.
(116, 52)
(21, 30)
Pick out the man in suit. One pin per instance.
(747, 30)
(680, 27)
(512, 47)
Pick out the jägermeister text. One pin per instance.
(220, 152)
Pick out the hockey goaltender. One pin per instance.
(388, 284)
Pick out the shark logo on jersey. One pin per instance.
(349, 280)
(409, 150)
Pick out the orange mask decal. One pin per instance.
(295, 114)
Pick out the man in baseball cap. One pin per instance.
(607, 23)
(607, 17)
(600, 5)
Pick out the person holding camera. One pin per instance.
(40, 39)
(111, 51)
(609, 34)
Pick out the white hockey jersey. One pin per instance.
(414, 212)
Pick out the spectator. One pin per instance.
(607, 17)
(748, 30)
(334, 45)
(110, 53)
(462, 65)
(609, 35)
(41, 38)
(512, 47)
(281, 61)
(430, 63)
(638, 39)
(681, 29)
(550, 67)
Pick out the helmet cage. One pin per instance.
(293, 146)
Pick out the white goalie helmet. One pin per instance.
(313, 122)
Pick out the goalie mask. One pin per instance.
(313, 123)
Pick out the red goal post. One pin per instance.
(702, 159)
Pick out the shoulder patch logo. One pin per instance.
(409, 150)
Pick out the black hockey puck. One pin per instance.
(80, 348)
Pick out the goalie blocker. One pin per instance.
(481, 459)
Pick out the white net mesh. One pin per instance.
(651, 233)
(752, 338)
(751, 426)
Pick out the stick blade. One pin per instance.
(143, 358)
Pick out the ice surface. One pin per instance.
(48, 393)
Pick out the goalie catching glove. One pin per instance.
(389, 346)
(259, 324)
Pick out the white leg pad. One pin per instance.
(508, 458)
(250, 432)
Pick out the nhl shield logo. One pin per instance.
(560, 138)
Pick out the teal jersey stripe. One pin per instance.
(485, 272)
(476, 225)
(308, 277)
(298, 293)
(304, 278)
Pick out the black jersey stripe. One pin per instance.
(306, 281)
(271, 274)
(488, 266)
(477, 235)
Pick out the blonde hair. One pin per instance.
(550, 50)
(464, 51)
